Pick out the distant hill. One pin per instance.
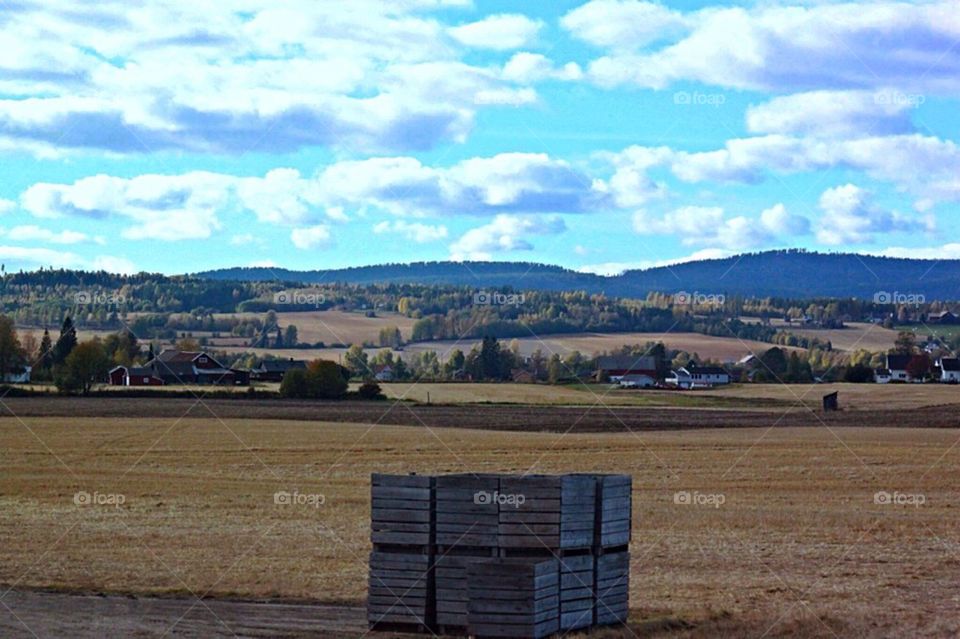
(792, 274)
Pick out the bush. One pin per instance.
(295, 384)
(370, 390)
(321, 380)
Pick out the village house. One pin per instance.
(949, 370)
(273, 370)
(627, 370)
(190, 367)
(694, 376)
(133, 376)
(897, 368)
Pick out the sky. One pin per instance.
(178, 136)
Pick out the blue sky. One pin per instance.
(602, 135)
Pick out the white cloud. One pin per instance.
(833, 114)
(113, 264)
(842, 45)
(623, 24)
(503, 31)
(850, 217)
(503, 233)
(413, 231)
(709, 226)
(949, 251)
(525, 67)
(29, 233)
(7, 205)
(311, 237)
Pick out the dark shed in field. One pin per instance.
(831, 402)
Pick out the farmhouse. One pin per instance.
(897, 367)
(949, 370)
(273, 370)
(693, 376)
(383, 373)
(943, 317)
(133, 376)
(882, 376)
(628, 370)
(190, 367)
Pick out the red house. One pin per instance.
(191, 367)
(133, 376)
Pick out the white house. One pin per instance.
(694, 376)
(949, 370)
(897, 366)
(18, 375)
(635, 380)
(881, 376)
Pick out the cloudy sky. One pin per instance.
(177, 135)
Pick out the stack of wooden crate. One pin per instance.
(471, 526)
(517, 597)
(401, 589)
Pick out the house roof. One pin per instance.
(707, 370)
(280, 365)
(626, 363)
(941, 315)
(896, 362)
(950, 364)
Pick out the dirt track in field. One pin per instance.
(562, 419)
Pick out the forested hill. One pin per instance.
(792, 274)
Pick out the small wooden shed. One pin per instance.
(831, 402)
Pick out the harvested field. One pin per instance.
(857, 335)
(336, 327)
(798, 546)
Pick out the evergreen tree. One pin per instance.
(66, 342)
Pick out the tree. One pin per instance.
(325, 380)
(290, 337)
(66, 342)
(555, 370)
(774, 362)
(86, 365)
(356, 360)
(45, 355)
(919, 366)
(456, 362)
(906, 343)
(11, 353)
(858, 374)
(295, 384)
(370, 390)
(278, 342)
(188, 344)
(390, 337)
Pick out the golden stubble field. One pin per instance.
(797, 548)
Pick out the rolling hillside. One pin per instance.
(790, 274)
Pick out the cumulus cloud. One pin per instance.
(32, 257)
(7, 205)
(311, 237)
(504, 233)
(709, 226)
(413, 231)
(503, 31)
(29, 233)
(833, 114)
(221, 78)
(775, 47)
(525, 67)
(851, 217)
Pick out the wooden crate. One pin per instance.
(514, 597)
(402, 510)
(576, 591)
(612, 588)
(547, 513)
(452, 594)
(467, 514)
(401, 590)
(614, 510)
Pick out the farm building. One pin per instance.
(273, 370)
(897, 367)
(133, 376)
(190, 367)
(949, 370)
(882, 376)
(638, 369)
(693, 376)
(383, 373)
(943, 317)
